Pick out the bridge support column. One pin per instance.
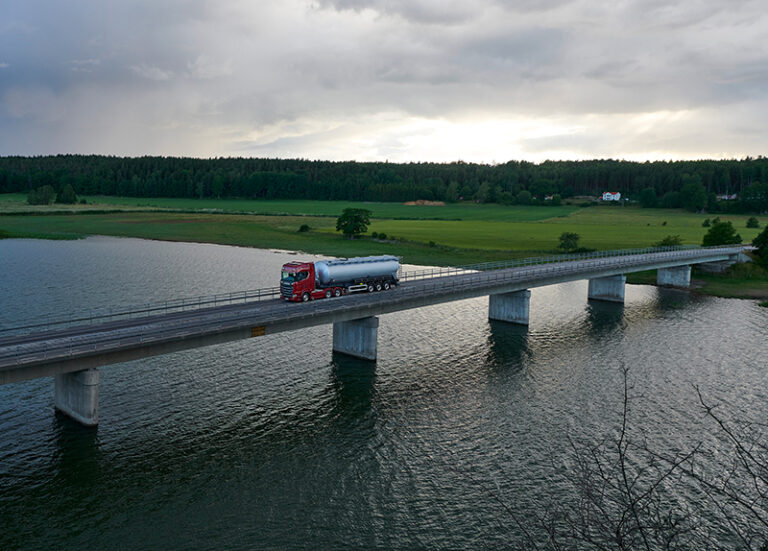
(77, 395)
(510, 307)
(679, 276)
(356, 337)
(610, 288)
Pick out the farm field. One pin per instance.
(14, 202)
(453, 234)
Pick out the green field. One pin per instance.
(443, 235)
(15, 202)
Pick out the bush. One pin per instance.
(304, 228)
(706, 223)
(746, 270)
(375, 234)
(83, 201)
(383, 235)
(752, 222)
(41, 196)
(721, 233)
(669, 241)
(432, 244)
(585, 204)
(67, 196)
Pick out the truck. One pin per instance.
(304, 281)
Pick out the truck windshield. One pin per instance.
(289, 277)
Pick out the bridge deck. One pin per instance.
(75, 348)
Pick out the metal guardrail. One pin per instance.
(158, 331)
(100, 315)
(97, 315)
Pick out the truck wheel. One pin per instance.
(378, 286)
(327, 293)
(337, 292)
(305, 297)
(386, 285)
(370, 288)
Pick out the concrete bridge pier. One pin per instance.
(510, 307)
(609, 288)
(76, 394)
(356, 338)
(679, 276)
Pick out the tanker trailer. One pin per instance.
(303, 281)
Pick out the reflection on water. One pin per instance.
(277, 442)
(507, 344)
(604, 317)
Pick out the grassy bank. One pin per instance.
(267, 232)
(748, 281)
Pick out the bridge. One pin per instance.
(71, 350)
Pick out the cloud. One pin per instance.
(206, 68)
(374, 79)
(151, 73)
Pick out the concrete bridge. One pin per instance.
(72, 352)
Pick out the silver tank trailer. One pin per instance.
(348, 270)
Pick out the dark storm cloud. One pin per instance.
(208, 78)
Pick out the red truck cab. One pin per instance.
(297, 281)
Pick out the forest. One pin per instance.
(695, 185)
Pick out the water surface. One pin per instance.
(277, 443)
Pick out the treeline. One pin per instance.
(666, 184)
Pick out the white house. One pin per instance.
(612, 196)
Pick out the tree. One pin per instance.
(353, 222)
(761, 242)
(669, 241)
(524, 197)
(721, 233)
(671, 200)
(693, 194)
(648, 198)
(452, 193)
(622, 500)
(752, 222)
(67, 196)
(481, 196)
(569, 241)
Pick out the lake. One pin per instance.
(458, 433)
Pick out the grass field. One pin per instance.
(15, 202)
(449, 235)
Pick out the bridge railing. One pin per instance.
(102, 315)
(530, 261)
(165, 329)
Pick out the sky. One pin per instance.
(372, 80)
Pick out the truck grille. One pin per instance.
(286, 289)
